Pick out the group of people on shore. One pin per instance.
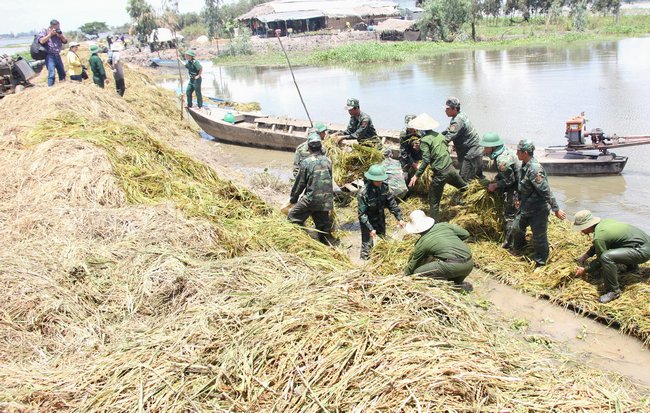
(441, 251)
(53, 39)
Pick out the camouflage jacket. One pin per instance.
(534, 191)
(464, 136)
(408, 155)
(361, 128)
(302, 153)
(371, 203)
(434, 153)
(315, 180)
(507, 165)
(395, 180)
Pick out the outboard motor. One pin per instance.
(16, 72)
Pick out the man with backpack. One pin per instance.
(53, 39)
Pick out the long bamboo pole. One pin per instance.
(277, 34)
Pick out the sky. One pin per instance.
(25, 15)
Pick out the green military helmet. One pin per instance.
(319, 127)
(491, 140)
(526, 145)
(376, 173)
(313, 137)
(190, 53)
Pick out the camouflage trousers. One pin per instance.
(322, 219)
(471, 168)
(509, 214)
(538, 223)
(366, 240)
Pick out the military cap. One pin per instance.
(352, 103)
(376, 173)
(94, 49)
(526, 145)
(584, 219)
(452, 102)
(313, 137)
(319, 127)
(190, 53)
(491, 140)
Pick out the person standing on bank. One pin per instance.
(372, 200)
(435, 155)
(505, 181)
(97, 67)
(360, 126)
(465, 139)
(614, 243)
(533, 199)
(312, 193)
(76, 68)
(53, 39)
(440, 252)
(118, 68)
(195, 71)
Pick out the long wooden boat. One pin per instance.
(262, 131)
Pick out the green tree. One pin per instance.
(143, 18)
(443, 19)
(579, 14)
(211, 15)
(94, 28)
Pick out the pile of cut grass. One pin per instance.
(134, 279)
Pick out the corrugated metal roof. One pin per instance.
(290, 15)
(329, 8)
(395, 24)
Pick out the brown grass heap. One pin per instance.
(134, 279)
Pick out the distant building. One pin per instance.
(311, 15)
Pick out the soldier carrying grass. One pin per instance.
(505, 181)
(614, 243)
(372, 200)
(312, 191)
(436, 156)
(360, 126)
(533, 199)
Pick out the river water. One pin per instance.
(518, 92)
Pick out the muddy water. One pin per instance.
(589, 341)
(521, 92)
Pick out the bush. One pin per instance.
(239, 45)
(194, 30)
(443, 19)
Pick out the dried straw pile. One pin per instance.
(134, 279)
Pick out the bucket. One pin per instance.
(229, 117)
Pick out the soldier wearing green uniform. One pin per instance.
(435, 155)
(614, 243)
(411, 159)
(97, 67)
(505, 181)
(406, 137)
(302, 152)
(465, 139)
(372, 200)
(360, 126)
(533, 199)
(393, 170)
(440, 252)
(314, 183)
(195, 71)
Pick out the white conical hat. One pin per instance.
(423, 122)
(419, 222)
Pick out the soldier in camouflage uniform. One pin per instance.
(506, 180)
(315, 180)
(302, 152)
(435, 155)
(412, 156)
(360, 126)
(465, 139)
(395, 178)
(372, 200)
(406, 137)
(533, 199)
